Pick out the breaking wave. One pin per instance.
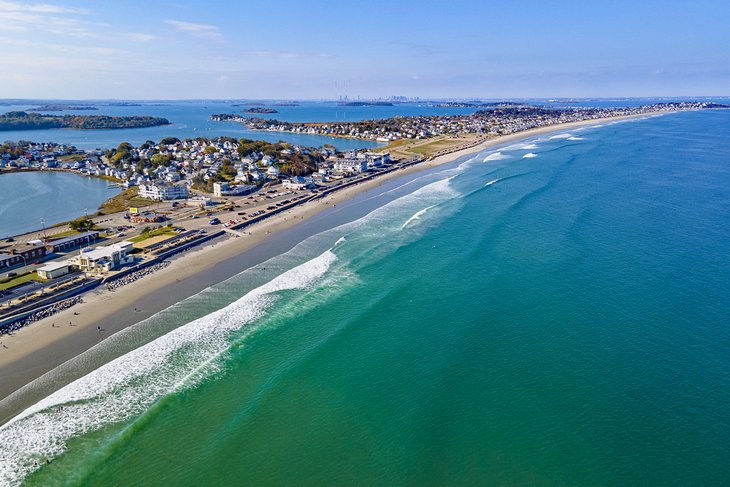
(496, 156)
(132, 383)
(529, 155)
(416, 216)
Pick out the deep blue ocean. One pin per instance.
(553, 312)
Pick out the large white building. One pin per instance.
(104, 259)
(226, 189)
(298, 182)
(164, 192)
(350, 166)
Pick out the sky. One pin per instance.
(277, 49)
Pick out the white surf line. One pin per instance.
(416, 216)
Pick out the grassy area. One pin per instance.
(69, 233)
(153, 233)
(71, 158)
(124, 200)
(12, 282)
(433, 147)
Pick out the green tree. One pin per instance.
(82, 224)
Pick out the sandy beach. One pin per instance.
(46, 344)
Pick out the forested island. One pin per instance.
(61, 108)
(260, 110)
(36, 121)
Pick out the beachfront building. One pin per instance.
(52, 270)
(68, 243)
(103, 259)
(298, 182)
(350, 166)
(374, 159)
(227, 189)
(164, 192)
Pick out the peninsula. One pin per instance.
(35, 121)
(499, 119)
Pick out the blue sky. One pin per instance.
(325, 49)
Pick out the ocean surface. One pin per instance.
(553, 312)
(31, 200)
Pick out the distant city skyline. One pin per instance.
(291, 50)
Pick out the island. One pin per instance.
(36, 121)
(365, 104)
(61, 108)
(260, 110)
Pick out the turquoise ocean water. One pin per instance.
(553, 312)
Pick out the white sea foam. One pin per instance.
(576, 138)
(416, 216)
(529, 155)
(561, 136)
(130, 384)
(491, 182)
(529, 147)
(496, 156)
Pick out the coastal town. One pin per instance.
(178, 194)
(499, 119)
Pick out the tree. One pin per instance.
(82, 224)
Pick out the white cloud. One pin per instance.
(141, 37)
(40, 8)
(55, 19)
(199, 30)
(274, 54)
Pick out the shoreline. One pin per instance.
(39, 348)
